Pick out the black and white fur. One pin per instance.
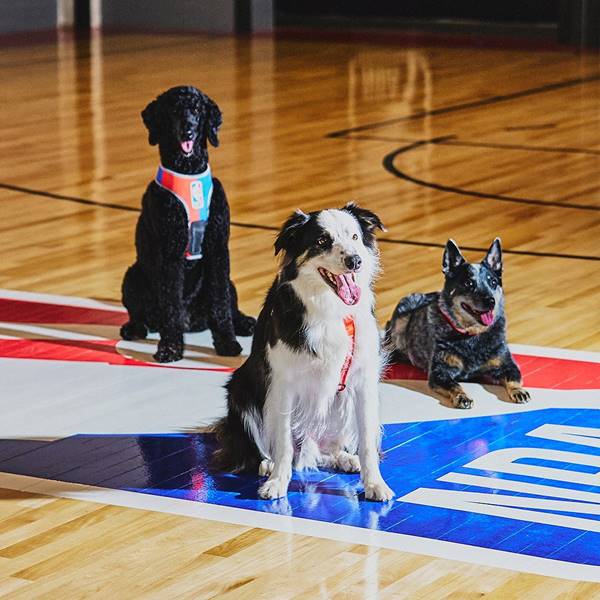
(458, 333)
(284, 408)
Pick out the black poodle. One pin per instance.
(180, 280)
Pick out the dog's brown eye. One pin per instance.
(322, 240)
(355, 236)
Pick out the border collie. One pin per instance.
(307, 396)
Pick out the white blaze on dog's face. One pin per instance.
(332, 248)
(339, 255)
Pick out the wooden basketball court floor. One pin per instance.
(102, 487)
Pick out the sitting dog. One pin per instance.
(308, 393)
(180, 280)
(458, 333)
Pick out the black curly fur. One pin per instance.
(163, 291)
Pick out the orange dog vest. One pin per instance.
(194, 192)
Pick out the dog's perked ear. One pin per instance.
(452, 258)
(367, 220)
(213, 120)
(493, 258)
(151, 120)
(289, 234)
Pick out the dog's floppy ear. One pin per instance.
(213, 120)
(368, 220)
(150, 117)
(452, 258)
(289, 232)
(493, 258)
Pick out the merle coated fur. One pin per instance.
(459, 346)
(284, 321)
(163, 291)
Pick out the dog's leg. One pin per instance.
(215, 246)
(278, 433)
(505, 370)
(242, 324)
(134, 296)
(367, 416)
(309, 457)
(444, 371)
(170, 302)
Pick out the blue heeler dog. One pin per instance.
(458, 333)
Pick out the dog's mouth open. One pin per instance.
(343, 285)
(485, 317)
(187, 147)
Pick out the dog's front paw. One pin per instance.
(378, 491)
(265, 468)
(273, 488)
(169, 351)
(461, 400)
(519, 396)
(225, 347)
(244, 325)
(133, 331)
(347, 463)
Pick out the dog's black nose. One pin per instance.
(489, 301)
(353, 262)
(188, 134)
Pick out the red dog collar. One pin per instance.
(452, 324)
(194, 192)
(351, 331)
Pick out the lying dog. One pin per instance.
(458, 333)
(180, 280)
(308, 393)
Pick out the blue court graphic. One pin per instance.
(563, 525)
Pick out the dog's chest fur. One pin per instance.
(311, 363)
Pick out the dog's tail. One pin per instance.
(238, 432)
(394, 341)
(236, 450)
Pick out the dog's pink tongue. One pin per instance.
(487, 318)
(347, 289)
(187, 146)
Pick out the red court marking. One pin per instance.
(538, 371)
(24, 311)
(96, 351)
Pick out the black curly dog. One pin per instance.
(163, 291)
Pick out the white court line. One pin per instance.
(288, 524)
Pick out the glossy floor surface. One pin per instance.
(441, 142)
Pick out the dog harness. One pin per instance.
(194, 192)
(351, 331)
(452, 323)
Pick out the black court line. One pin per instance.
(384, 240)
(549, 87)
(452, 140)
(484, 250)
(388, 165)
